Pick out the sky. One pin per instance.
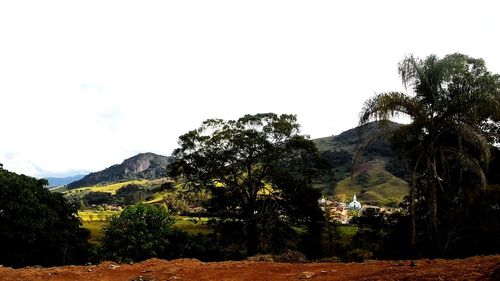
(87, 84)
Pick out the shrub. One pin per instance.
(140, 232)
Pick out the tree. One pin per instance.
(256, 167)
(140, 232)
(37, 227)
(454, 108)
(130, 194)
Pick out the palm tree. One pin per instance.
(451, 97)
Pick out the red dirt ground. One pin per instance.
(474, 268)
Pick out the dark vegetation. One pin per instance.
(37, 227)
(257, 181)
(126, 195)
(455, 112)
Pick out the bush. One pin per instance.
(140, 232)
(98, 198)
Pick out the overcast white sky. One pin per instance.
(86, 84)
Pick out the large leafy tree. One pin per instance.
(257, 168)
(37, 227)
(454, 106)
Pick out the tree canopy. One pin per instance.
(256, 167)
(37, 227)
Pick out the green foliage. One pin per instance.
(37, 227)
(140, 232)
(98, 198)
(130, 194)
(180, 199)
(253, 167)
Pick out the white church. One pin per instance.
(354, 204)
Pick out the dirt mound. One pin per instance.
(474, 268)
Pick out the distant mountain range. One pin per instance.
(142, 166)
(53, 182)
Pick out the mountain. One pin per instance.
(378, 176)
(142, 166)
(53, 182)
(350, 139)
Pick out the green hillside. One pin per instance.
(378, 178)
(109, 188)
(372, 184)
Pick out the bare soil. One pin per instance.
(473, 268)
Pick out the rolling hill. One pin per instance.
(378, 176)
(142, 166)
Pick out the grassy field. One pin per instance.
(95, 228)
(96, 216)
(112, 188)
(157, 197)
(95, 220)
(192, 225)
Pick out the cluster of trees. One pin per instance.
(38, 227)
(127, 195)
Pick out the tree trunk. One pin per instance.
(252, 237)
(431, 180)
(433, 202)
(413, 239)
(413, 215)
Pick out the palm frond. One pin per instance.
(471, 164)
(471, 136)
(410, 71)
(392, 104)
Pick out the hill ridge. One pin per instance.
(146, 165)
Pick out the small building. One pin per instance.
(354, 205)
